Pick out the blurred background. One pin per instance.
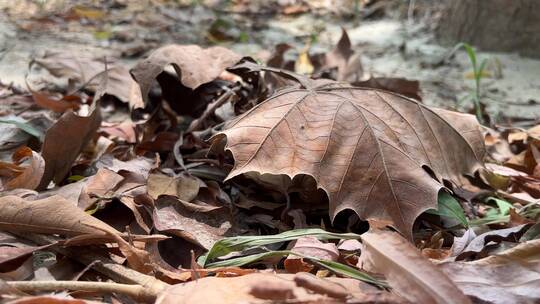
(414, 40)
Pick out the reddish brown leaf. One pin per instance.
(16, 176)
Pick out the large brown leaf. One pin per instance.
(366, 148)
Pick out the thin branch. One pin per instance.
(104, 265)
(138, 292)
(197, 123)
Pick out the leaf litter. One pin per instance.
(201, 176)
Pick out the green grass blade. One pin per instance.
(240, 243)
(335, 267)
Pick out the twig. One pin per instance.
(197, 123)
(138, 292)
(106, 266)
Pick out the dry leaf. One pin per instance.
(87, 71)
(50, 215)
(194, 65)
(273, 288)
(365, 148)
(478, 246)
(343, 57)
(408, 272)
(27, 177)
(57, 105)
(200, 228)
(312, 247)
(512, 276)
(184, 187)
(409, 88)
(67, 138)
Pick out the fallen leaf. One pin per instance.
(478, 246)
(409, 88)
(88, 71)
(52, 215)
(365, 148)
(407, 271)
(57, 105)
(345, 60)
(27, 177)
(184, 187)
(195, 66)
(312, 247)
(259, 287)
(511, 276)
(139, 165)
(67, 138)
(203, 229)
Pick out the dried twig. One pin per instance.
(197, 123)
(138, 292)
(104, 265)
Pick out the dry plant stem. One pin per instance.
(138, 292)
(197, 123)
(102, 264)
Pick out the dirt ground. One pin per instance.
(389, 46)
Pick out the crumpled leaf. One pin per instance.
(15, 176)
(410, 274)
(512, 276)
(194, 65)
(365, 148)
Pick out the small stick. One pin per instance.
(102, 264)
(197, 123)
(138, 292)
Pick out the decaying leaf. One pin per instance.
(365, 148)
(408, 272)
(512, 276)
(193, 65)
